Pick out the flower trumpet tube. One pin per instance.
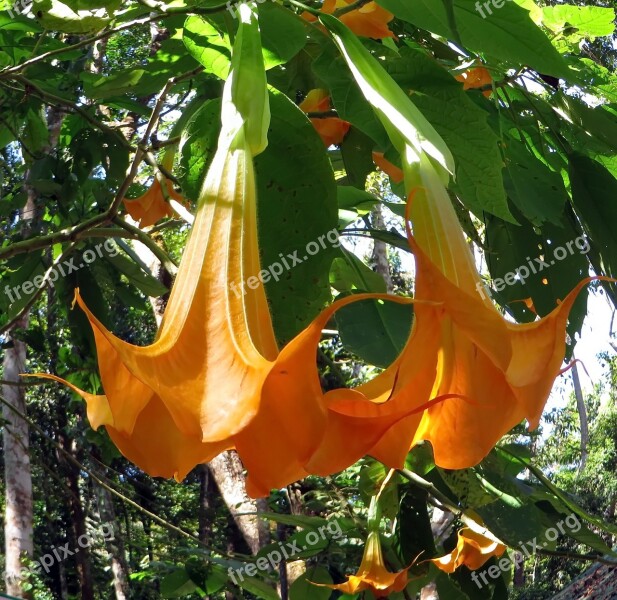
(373, 574)
(200, 382)
(473, 549)
(497, 373)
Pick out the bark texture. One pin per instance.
(18, 530)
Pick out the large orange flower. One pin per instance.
(494, 372)
(478, 77)
(373, 575)
(332, 130)
(370, 20)
(153, 204)
(473, 549)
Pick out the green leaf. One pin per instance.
(170, 60)
(508, 33)
(259, 588)
(137, 276)
(468, 488)
(375, 330)
(599, 123)
(538, 192)
(283, 34)
(303, 589)
(581, 21)
(512, 524)
(177, 585)
(348, 273)
(567, 501)
(594, 196)
(413, 526)
(556, 254)
(462, 125)
(208, 45)
(356, 151)
(36, 132)
(61, 16)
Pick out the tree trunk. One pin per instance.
(379, 257)
(113, 543)
(228, 474)
(18, 529)
(582, 415)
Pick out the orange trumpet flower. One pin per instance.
(370, 20)
(496, 373)
(332, 130)
(499, 372)
(373, 575)
(478, 77)
(473, 549)
(152, 205)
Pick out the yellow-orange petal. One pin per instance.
(373, 575)
(473, 549)
(155, 444)
(152, 206)
(332, 130)
(395, 173)
(478, 77)
(370, 20)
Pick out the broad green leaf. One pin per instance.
(579, 21)
(258, 588)
(348, 274)
(447, 589)
(36, 132)
(413, 526)
(599, 122)
(462, 125)
(169, 61)
(511, 524)
(22, 282)
(557, 254)
(507, 33)
(356, 152)
(208, 45)
(467, 487)
(349, 198)
(594, 196)
(537, 192)
(566, 499)
(145, 282)
(303, 589)
(177, 585)
(376, 331)
(283, 34)
(597, 79)
(61, 16)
